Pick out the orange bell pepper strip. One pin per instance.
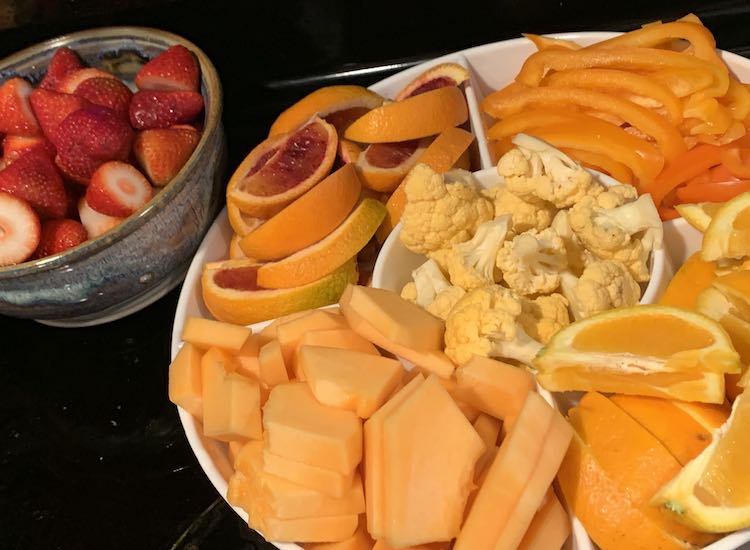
(715, 118)
(682, 82)
(735, 131)
(545, 42)
(712, 192)
(525, 120)
(694, 162)
(502, 103)
(667, 213)
(735, 159)
(737, 99)
(602, 163)
(623, 81)
(538, 64)
(719, 174)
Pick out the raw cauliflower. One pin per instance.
(545, 316)
(471, 264)
(525, 215)
(616, 195)
(578, 256)
(441, 210)
(537, 171)
(531, 263)
(485, 322)
(443, 303)
(604, 285)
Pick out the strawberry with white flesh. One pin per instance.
(63, 61)
(16, 116)
(74, 79)
(107, 92)
(19, 230)
(95, 222)
(58, 236)
(173, 69)
(162, 152)
(34, 178)
(52, 107)
(157, 109)
(118, 189)
(15, 146)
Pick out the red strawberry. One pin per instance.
(58, 236)
(89, 137)
(95, 222)
(118, 189)
(51, 108)
(63, 61)
(107, 92)
(173, 69)
(34, 178)
(162, 152)
(153, 109)
(15, 146)
(19, 230)
(16, 116)
(73, 79)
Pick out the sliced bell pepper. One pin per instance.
(735, 131)
(737, 99)
(533, 118)
(602, 163)
(694, 162)
(721, 173)
(712, 192)
(715, 118)
(545, 42)
(667, 213)
(682, 82)
(737, 161)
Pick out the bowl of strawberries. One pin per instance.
(112, 169)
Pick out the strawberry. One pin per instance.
(16, 116)
(58, 236)
(161, 152)
(89, 137)
(173, 69)
(19, 230)
(34, 178)
(154, 109)
(15, 146)
(63, 61)
(95, 222)
(118, 189)
(51, 108)
(73, 79)
(107, 92)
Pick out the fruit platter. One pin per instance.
(498, 300)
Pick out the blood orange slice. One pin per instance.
(444, 74)
(282, 168)
(382, 166)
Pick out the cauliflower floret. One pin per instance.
(439, 210)
(547, 173)
(485, 322)
(578, 256)
(545, 316)
(471, 264)
(525, 215)
(627, 233)
(604, 285)
(443, 303)
(429, 281)
(616, 195)
(409, 292)
(531, 263)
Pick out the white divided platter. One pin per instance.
(491, 66)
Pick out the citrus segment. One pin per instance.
(234, 248)
(394, 207)
(241, 223)
(348, 151)
(324, 102)
(231, 294)
(306, 220)
(446, 149)
(382, 166)
(444, 74)
(700, 214)
(728, 234)
(328, 254)
(415, 117)
(692, 277)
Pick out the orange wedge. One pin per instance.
(382, 166)
(415, 117)
(348, 151)
(444, 74)
(325, 102)
(234, 248)
(699, 214)
(690, 280)
(728, 233)
(241, 223)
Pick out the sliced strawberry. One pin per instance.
(19, 230)
(107, 92)
(15, 146)
(73, 79)
(173, 69)
(154, 109)
(16, 116)
(34, 178)
(51, 108)
(58, 236)
(162, 152)
(95, 222)
(63, 61)
(118, 189)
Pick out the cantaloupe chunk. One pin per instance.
(247, 357)
(301, 428)
(360, 540)
(234, 448)
(425, 439)
(271, 367)
(374, 458)
(185, 385)
(321, 479)
(347, 379)
(383, 545)
(231, 402)
(494, 387)
(517, 479)
(550, 527)
(342, 338)
(320, 529)
(399, 320)
(268, 332)
(488, 428)
(290, 333)
(434, 361)
(207, 333)
(470, 412)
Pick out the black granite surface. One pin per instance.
(92, 454)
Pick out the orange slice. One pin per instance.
(699, 214)
(728, 234)
(691, 279)
(444, 74)
(348, 151)
(282, 168)
(382, 166)
(307, 220)
(415, 117)
(241, 223)
(231, 293)
(329, 101)
(234, 248)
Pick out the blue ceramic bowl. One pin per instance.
(147, 255)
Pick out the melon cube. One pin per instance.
(290, 333)
(342, 338)
(321, 479)
(360, 540)
(207, 333)
(550, 527)
(185, 385)
(247, 357)
(347, 379)
(383, 545)
(318, 529)
(271, 368)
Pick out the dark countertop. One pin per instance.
(92, 454)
